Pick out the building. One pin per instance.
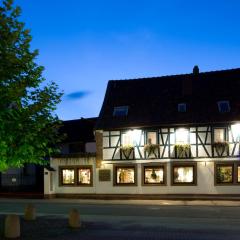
(75, 165)
(164, 136)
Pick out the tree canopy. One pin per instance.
(28, 125)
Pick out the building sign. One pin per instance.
(104, 175)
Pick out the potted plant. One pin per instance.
(127, 150)
(151, 149)
(182, 150)
(153, 175)
(221, 147)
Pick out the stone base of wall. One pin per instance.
(49, 196)
(232, 197)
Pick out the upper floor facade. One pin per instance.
(205, 141)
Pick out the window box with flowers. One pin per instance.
(127, 151)
(221, 148)
(151, 150)
(182, 150)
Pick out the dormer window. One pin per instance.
(223, 106)
(182, 107)
(120, 111)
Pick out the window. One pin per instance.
(223, 106)
(151, 138)
(182, 107)
(153, 175)
(219, 134)
(224, 173)
(120, 111)
(184, 174)
(85, 176)
(127, 139)
(238, 174)
(182, 136)
(68, 176)
(76, 175)
(125, 175)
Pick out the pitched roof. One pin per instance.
(79, 130)
(153, 101)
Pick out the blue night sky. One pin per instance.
(85, 43)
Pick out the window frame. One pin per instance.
(61, 176)
(151, 131)
(188, 135)
(235, 166)
(184, 164)
(91, 176)
(223, 164)
(223, 102)
(75, 168)
(236, 172)
(225, 133)
(115, 167)
(180, 106)
(160, 165)
(124, 108)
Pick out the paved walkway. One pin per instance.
(129, 202)
(128, 219)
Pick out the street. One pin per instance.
(139, 219)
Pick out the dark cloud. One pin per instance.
(77, 95)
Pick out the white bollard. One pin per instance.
(30, 212)
(12, 226)
(74, 219)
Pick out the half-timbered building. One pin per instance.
(171, 135)
(161, 136)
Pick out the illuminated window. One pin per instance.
(219, 134)
(153, 175)
(120, 111)
(85, 176)
(184, 174)
(127, 139)
(224, 173)
(223, 106)
(125, 175)
(182, 136)
(131, 137)
(238, 173)
(182, 107)
(236, 132)
(68, 176)
(151, 138)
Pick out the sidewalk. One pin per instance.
(227, 203)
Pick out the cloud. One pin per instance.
(77, 95)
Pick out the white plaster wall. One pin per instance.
(57, 162)
(205, 180)
(205, 183)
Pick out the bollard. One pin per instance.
(12, 226)
(30, 212)
(74, 219)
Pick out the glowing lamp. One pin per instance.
(182, 136)
(236, 131)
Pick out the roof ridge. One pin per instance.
(175, 75)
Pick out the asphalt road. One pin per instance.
(200, 222)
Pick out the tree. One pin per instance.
(28, 125)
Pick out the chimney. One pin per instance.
(195, 70)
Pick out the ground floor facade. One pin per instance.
(80, 177)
